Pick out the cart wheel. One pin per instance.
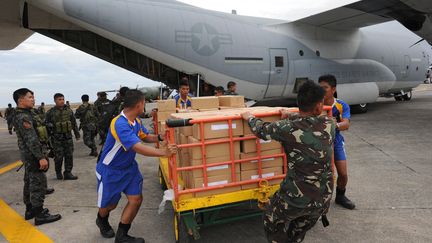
(181, 231)
(162, 180)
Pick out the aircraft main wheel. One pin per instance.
(360, 108)
(407, 96)
(398, 97)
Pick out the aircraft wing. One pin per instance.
(11, 31)
(413, 14)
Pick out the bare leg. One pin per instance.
(342, 171)
(131, 209)
(103, 212)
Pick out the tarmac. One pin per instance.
(390, 162)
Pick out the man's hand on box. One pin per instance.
(285, 114)
(246, 115)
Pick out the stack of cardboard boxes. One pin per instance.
(165, 109)
(270, 166)
(212, 107)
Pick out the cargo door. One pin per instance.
(278, 73)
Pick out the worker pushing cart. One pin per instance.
(193, 212)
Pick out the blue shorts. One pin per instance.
(339, 150)
(112, 182)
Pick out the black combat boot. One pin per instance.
(105, 228)
(94, 153)
(123, 237)
(44, 218)
(29, 212)
(342, 200)
(49, 191)
(59, 175)
(69, 176)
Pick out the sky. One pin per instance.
(47, 66)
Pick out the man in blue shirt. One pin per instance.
(341, 113)
(117, 170)
(183, 99)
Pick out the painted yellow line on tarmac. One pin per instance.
(16, 230)
(10, 166)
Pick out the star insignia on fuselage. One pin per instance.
(204, 39)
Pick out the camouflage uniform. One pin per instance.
(119, 105)
(88, 116)
(9, 116)
(31, 134)
(60, 122)
(306, 191)
(106, 109)
(41, 112)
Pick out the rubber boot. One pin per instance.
(44, 218)
(342, 200)
(69, 176)
(104, 227)
(123, 237)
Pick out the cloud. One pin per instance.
(47, 67)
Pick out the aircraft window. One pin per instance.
(318, 53)
(279, 61)
(301, 53)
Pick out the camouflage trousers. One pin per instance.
(63, 150)
(285, 224)
(89, 138)
(35, 184)
(103, 131)
(9, 124)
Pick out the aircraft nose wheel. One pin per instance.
(360, 108)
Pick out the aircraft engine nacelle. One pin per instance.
(358, 93)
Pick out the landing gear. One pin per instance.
(403, 96)
(407, 96)
(360, 108)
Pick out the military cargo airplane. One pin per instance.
(267, 58)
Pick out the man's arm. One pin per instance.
(346, 116)
(29, 136)
(267, 131)
(74, 125)
(78, 112)
(154, 152)
(151, 138)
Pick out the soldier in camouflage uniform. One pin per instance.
(61, 122)
(305, 194)
(41, 111)
(31, 134)
(88, 115)
(119, 101)
(106, 109)
(9, 116)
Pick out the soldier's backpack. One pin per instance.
(108, 110)
(89, 118)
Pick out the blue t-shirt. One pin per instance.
(123, 134)
(180, 103)
(340, 110)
